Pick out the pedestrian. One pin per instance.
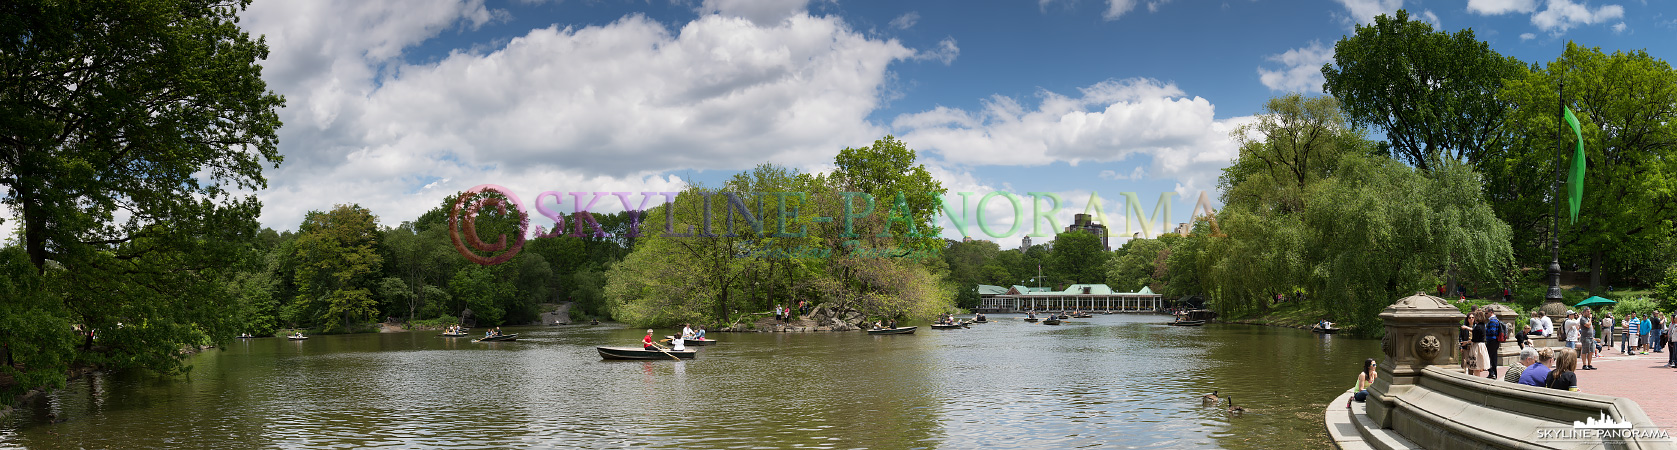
(1633, 330)
(1671, 330)
(1658, 340)
(1647, 334)
(1562, 376)
(1569, 329)
(1478, 360)
(1493, 340)
(1607, 328)
(1586, 338)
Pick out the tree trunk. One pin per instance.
(1450, 284)
(1595, 272)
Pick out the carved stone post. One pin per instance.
(1421, 330)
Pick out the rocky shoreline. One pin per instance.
(822, 318)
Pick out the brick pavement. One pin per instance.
(1641, 378)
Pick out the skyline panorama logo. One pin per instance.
(465, 236)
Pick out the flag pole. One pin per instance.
(1553, 304)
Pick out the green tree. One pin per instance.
(887, 170)
(1382, 231)
(1079, 257)
(128, 129)
(36, 341)
(481, 289)
(1135, 264)
(1433, 93)
(1627, 104)
(337, 265)
(969, 263)
(1293, 144)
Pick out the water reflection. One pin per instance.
(1123, 381)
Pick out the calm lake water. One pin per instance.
(1114, 381)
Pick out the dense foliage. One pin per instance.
(128, 129)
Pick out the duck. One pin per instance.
(1210, 398)
(1235, 409)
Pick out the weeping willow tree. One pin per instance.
(1311, 209)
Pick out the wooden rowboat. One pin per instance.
(1030, 319)
(1187, 323)
(297, 338)
(637, 353)
(897, 330)
(700, 341)
(504, 337)
(1328, 330)
(1051, 322)
(946, 326)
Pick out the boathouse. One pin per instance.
(1077, 297)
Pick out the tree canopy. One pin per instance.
(129, 131)
(1434, 93)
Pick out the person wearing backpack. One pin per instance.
(1493, 340)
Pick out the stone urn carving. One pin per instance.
(1427, 348)
(1421, 330)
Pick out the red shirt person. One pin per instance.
(646, 342)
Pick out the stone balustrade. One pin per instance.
(1422, 399)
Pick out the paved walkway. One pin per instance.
(1641, 378)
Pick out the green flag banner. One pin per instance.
(1575, 178)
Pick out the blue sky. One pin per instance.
(394, 104)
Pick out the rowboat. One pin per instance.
(1083, 316)
(980, 319)
(452, 334)
(1328, 330)
(1030, 319)
(245, 336)
(1187, 323)
(697, 341)
(897, 330)
(504, 337)
(946, 326)
(296, 337)
(1051, 322)
(637, 353)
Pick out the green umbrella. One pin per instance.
(1594, 301)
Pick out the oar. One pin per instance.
(661, 350)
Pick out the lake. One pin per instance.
(1113, 381)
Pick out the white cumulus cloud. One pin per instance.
(623, 106)
(1302, 71)
(1562, 15)
(761, 12)
(906, 21)
(1496, 7)
(1109, 121)
(1364, 11)
(1557, 16)
(1117, 8)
